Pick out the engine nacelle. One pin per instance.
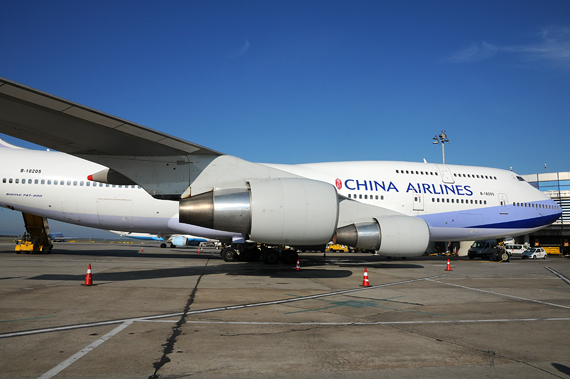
(289, 211)
(389, 235)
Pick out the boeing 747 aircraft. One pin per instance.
(114, 174)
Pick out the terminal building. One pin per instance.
(555, 185)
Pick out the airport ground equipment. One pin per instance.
(36, 239)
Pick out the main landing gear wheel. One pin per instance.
(229, 254)
(270, 257)
(290, 257)
(249, 255)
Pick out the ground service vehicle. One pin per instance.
(534, 253)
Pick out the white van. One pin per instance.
(515, 250)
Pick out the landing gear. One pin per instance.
(249, 255)
(162, 245)
(229, 254)
(290, 257)
(270, 256)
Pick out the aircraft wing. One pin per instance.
(62, 125)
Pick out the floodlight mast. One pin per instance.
(441, 139)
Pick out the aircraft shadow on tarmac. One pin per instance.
(227, 269)
(562, 368)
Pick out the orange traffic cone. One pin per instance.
(448, 268)
(88, 278)
(298, 267)
(365, 282)
(199, 250)
(142, 250)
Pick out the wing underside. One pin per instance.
(62, 125)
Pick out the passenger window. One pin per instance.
(360, 196)
(81, 184)
(17, 181)
(43, 181)
(75, 182)
(69, 182)
(88, 184)
(3, 180)
(35, 181)
(10, 180)
(49, 182)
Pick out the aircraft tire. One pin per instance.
(162, 245)
(270, 257)
(229, 254)
(249, 255)
(290, 257)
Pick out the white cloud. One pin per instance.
(474, 53)
(553, 47)
(243, 50)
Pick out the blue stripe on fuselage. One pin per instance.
(491, 218)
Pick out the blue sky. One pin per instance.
(312, 81)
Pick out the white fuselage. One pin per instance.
(457, 202)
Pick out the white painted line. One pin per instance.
(90, 325)
(63, 365)
(558, 274)
(377, 322)
(502, 294)
(310, 297)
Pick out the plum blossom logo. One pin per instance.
(338, 183)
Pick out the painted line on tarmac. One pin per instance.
(89, 325)
(558, 274)
(208, 310)
(310, 297)
(358, 323)
(502, 294)
(69, 361)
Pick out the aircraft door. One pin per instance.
(418, 201)
(503, 202)
(446, 175)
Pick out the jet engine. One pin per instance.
(388, 235)
(283, 211)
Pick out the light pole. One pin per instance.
(441, 139)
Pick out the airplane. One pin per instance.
(174, 240)
(114, 174)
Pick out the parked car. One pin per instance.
(535, 252)
(516, 250)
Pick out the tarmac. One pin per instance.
(181, 313)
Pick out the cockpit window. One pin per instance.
(520, 179)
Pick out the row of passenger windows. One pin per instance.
(530, 205)
(457, 201)
(365, 197)
(474, 176)
(63, 183)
